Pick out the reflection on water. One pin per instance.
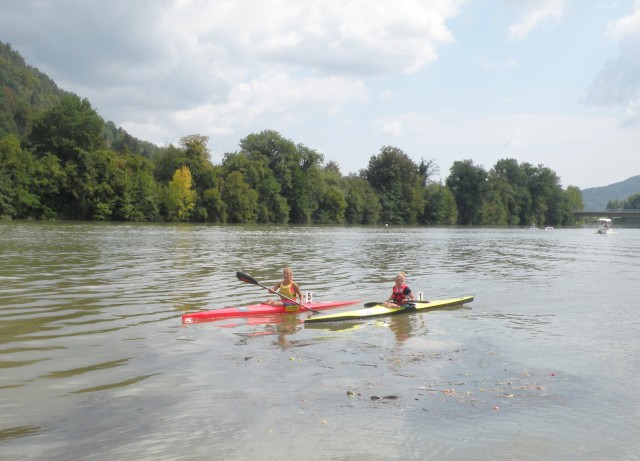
(125, 383)
(14, 432)
(95, 361)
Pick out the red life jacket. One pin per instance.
(399, 292)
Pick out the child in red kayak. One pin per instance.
(287, 288)
(401, 293)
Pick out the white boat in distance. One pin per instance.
(605, 226)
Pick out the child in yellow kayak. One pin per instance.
(401, 293)
(287, 288)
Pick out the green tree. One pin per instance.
(363, 204)
(308, 185)
(72, 132)
(272, 207)
(398, 181)
(89, 186)
(137, 194)
(68, 129)
(214, 203)
(295, 168)
(632, 202)
(440, 205)
(333, 207)
(548, 205)
(6, 196)
(206, 177)
(505, 209)
(167, 162)
(240, 198)
(447, 209)
(17, 168)
(615, 204)
(493, 210)
(467, 182)
(50, 182)
(573, 200)
(278, 155)
(511, 182)
(101, 175)
(198, 159)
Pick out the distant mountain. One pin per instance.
(596, 198)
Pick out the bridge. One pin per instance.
(607, 214)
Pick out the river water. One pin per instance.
(95, 363)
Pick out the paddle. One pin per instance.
(246, 278)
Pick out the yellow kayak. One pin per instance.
(379, 310)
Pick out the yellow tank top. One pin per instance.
(287, 290)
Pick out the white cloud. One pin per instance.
(270, 99)
(535, 14)
(625, 28)
(490, 65)
(329, 36)
(393, 127)
(618, 82)
(515, 139)
(218, 66)
(632, 116)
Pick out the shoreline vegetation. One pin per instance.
(66, 169)
(59, 160)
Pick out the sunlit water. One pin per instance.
(95, 362)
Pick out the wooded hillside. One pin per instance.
(60, 160)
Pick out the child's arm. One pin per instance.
(297, 290)
(275, 288)
(410, 294)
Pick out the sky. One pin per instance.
(546, 82)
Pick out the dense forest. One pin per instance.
(60, 160)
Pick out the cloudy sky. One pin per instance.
(552, 82)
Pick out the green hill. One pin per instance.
(25, 93)
(596, 198)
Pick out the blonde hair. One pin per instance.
(402, 275)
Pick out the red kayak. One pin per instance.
(259, 309)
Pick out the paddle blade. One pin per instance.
(373, 303)
(246, 278)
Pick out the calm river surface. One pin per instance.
(95, 363)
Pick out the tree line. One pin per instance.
(73, 165)
(630, 203)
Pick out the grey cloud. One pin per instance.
(618, 81)
(113, 53)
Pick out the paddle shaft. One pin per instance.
(248, 279)
(379, 303)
